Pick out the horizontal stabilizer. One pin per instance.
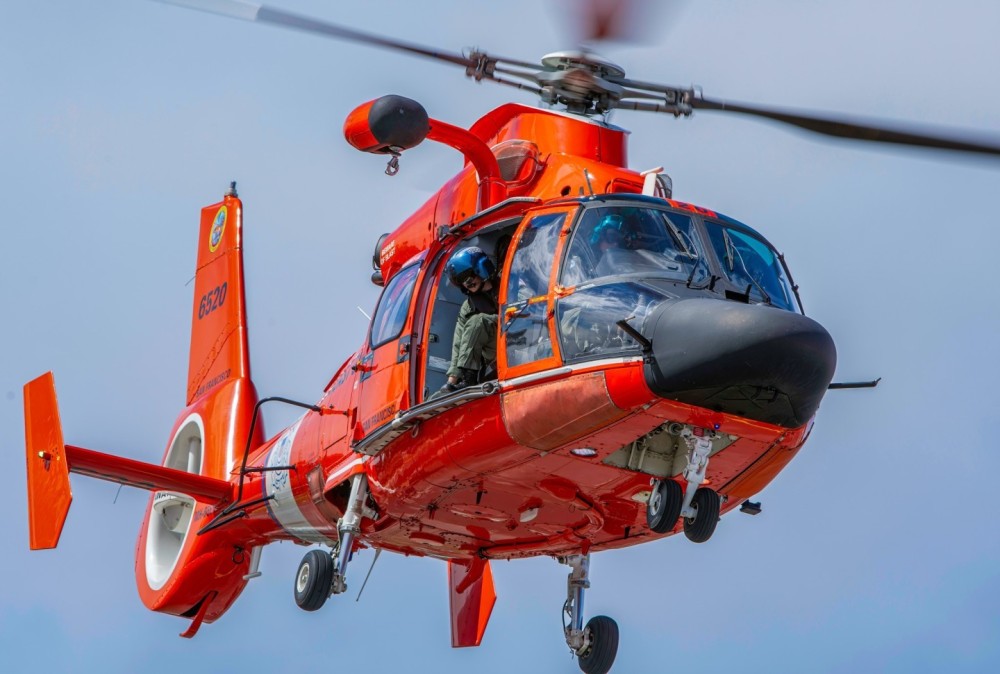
(471, 598)
(50, 461)
(149, 476)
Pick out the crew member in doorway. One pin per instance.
(474, 346)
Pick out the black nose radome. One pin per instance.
(753, 361)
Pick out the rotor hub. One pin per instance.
(582, 81)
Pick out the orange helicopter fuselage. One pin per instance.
(494, 476)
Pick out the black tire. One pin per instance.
(664, 506)
(313, 580)
(603, 648)
(700, 528)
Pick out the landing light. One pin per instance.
(584, 452)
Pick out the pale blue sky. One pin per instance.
(876, 550)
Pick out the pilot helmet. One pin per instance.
(609, 229)
(469, 262)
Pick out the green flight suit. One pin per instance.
(475, 342)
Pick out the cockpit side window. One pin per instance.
(751, 265)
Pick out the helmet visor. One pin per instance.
(464, 277)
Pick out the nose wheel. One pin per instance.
(664, 506)
(700, 527)
(596, 644)
(700, 508)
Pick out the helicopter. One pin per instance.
(696, 258)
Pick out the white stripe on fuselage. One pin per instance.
(278, 483)
(567, 369)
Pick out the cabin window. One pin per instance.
(751, 265)
(525, 315)
(390, 316)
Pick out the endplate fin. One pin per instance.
(49, 494)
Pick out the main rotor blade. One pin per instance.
(250, 11)
(845, 128)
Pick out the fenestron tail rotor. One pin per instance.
(586, 84)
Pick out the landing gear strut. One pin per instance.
(323, 573)
(700, 509)
(349, 527)
(596, 644)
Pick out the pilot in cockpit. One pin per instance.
(607, 234)
(610, 243)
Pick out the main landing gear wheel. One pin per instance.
(313, 580)
(700, 528)
(602, 645)
(664, 506)
(596, 644)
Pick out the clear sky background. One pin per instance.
(877, 549)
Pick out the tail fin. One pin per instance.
(219, 350)
(178, 569)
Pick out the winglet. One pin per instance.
(49, 494)
(472, 597)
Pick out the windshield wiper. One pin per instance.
(730, 249)
(712, 278)
(676, 233)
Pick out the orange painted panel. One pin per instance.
(49, 494)
(218, 321)
(583, 406)
(471, 600)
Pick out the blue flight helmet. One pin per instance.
(468, 262)
(608, 229)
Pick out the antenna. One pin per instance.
(378, 551)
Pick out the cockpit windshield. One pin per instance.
(633, 241)
(624, 259)
(751, 265)
(646, 243)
